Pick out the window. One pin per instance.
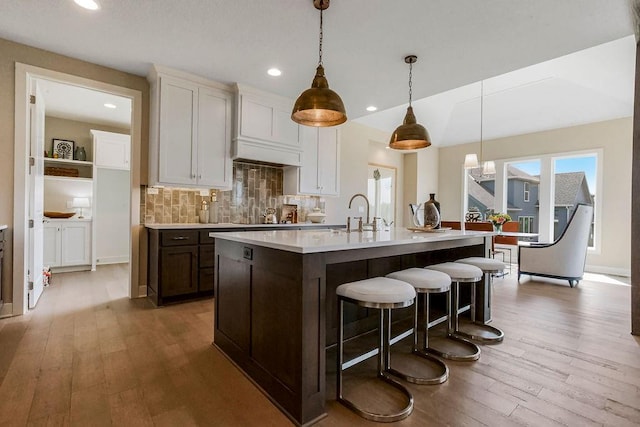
(526, 191)
(525, 224)
(575, 182)
(381, 192)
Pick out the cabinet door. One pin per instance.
(177, 131)
(112, 150)
(178, 270)
(255, 118)
(76, 243)
(214, 138)
(51, 245)
(309, 179)
(329, 161)
(285, 130)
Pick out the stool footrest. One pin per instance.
(473, 351)
(482, 333)
(441, 376)
(383, 418)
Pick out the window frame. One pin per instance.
(546, 191)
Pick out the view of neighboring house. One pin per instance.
(571, 188)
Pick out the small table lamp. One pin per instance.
(80, 202)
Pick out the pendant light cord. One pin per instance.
(410, 84)
(481, 117)
(321, 34)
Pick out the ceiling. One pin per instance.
(365, 41)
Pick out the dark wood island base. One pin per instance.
(275, 309)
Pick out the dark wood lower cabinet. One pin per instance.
(180, 265)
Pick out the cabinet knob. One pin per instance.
(199, 176)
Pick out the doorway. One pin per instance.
(27, 78)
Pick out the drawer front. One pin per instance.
(178, 237)
(204, 237)
(207, 257)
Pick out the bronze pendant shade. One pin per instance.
(319, 106)
(410, 135)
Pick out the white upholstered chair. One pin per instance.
(565, 258)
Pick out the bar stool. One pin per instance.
(483, 332)
(425, 282)
(384, 294)
(459, 273)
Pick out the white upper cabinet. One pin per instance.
(319, 173)
(264, 130)
(112, 150)
(190, 131)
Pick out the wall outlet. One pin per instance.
(204, 193)
(152, 190)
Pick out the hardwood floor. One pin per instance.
(89, 356)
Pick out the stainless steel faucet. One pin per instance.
(365, 199)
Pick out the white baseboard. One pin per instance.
(113, 260)
(142, 291)
(601, 269)
(6, 310)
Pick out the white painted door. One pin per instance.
(214, 138)
(309, 179)
(178, 105)
(112, 150)
(329, 161)
(76, 243)
(51, 246)
(36, 196)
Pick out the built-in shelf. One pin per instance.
(67, 162)
(67, 178)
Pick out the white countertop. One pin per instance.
(230, 225)
(3, 226)
(313, 241)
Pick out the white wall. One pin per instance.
(361, 145)
(614, 137)
(59, 191)
(420, 178)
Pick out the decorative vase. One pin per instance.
(431, 215)
(80, 154)
(432, 199)
(497, 228)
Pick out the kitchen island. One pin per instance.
(275, 311)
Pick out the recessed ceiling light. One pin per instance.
(88, 4)
(108, 105)
(372, 108)
(274, 72)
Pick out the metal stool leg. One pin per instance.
(384, 334)
(471, 350)
(480, 331)
(441, 368)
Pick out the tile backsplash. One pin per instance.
(254, 188)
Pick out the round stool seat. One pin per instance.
(487, 265)
(377, 291)
(458, 271)
(424, 280)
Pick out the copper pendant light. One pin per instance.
(319, 106)
(410, 135)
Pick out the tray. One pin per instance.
(52, 214)
(429, 229)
